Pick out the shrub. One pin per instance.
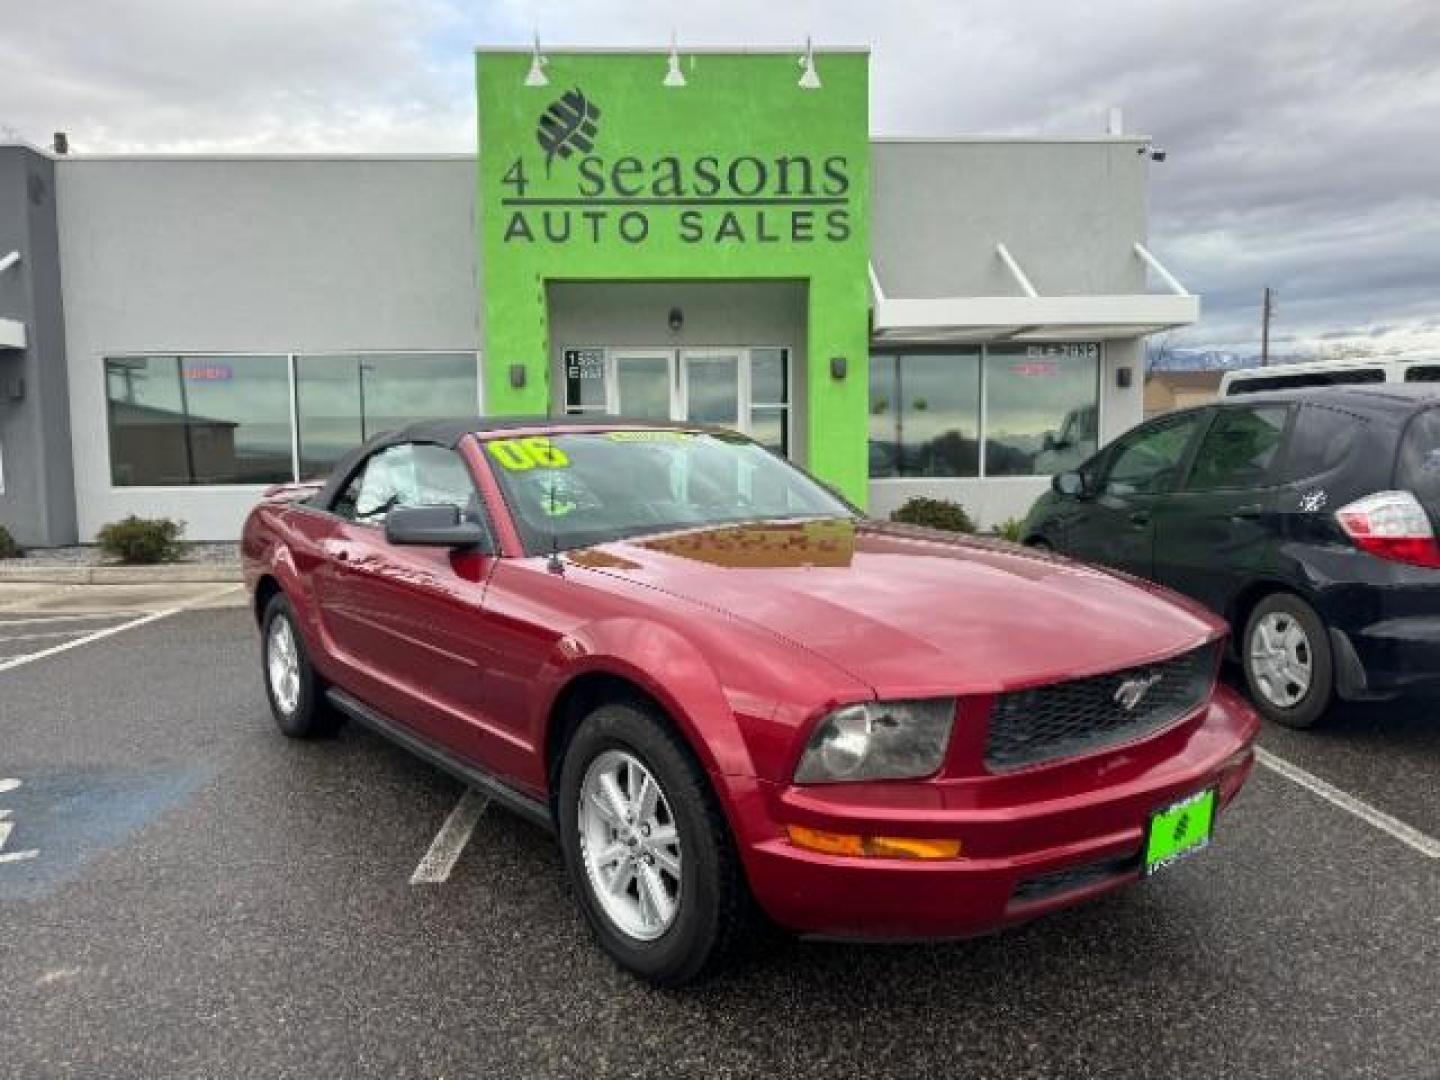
(1011, 529)
(9, 549)
(142, 540)
(935, 514)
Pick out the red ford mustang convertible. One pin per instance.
(724, 689)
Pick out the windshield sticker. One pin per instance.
(521, 455)
(649, 436)
(1313, 501)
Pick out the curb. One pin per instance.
(190, 573)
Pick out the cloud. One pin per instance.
(1301, 137)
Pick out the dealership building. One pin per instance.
(712, 236)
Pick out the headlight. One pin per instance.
(878, 740)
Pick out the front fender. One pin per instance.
(668, 667)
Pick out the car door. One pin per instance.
(1216, 528)
(411, 618)
(1112, 521)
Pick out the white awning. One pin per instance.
(12, 332)
(1031, 316)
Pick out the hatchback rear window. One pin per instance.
(1320, 441)
(1417, 467)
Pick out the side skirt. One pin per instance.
(533, 810)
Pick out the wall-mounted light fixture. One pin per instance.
(837, 367)
(517, 376)
(1123, 378)
(809, 77)
(674, 76)
(676, 320)
(537, 76)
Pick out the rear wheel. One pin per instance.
(296, 694)
(1288, 663)
(647, 848)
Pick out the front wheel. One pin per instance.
(647, 848)
(296, 694)
(1288, 663)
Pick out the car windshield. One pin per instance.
(572, 490)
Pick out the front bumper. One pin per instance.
(1032, 842)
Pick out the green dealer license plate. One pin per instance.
(1179, 830)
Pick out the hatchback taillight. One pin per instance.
(1391, 525)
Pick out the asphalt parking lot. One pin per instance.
(185, 893)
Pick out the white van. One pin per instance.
(1328, 373)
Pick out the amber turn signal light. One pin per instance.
(875, 847)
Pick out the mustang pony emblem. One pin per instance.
(1130, 692)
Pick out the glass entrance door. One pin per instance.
(643, 384)
(710, 391)
(746, 388)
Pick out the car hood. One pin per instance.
(913, 612)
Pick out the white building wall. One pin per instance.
(253, 255)
(1069, 211)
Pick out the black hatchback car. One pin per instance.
(1307, 518)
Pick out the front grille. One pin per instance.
(1073, 879)
(1068, 719)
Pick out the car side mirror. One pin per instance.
(435, 526)
(1069, 483)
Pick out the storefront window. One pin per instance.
(344, 399)
(1041, 414)
(186, 420)
(925, 414)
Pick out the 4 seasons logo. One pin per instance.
(708, 198)
(567, 125)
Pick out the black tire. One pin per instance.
(714, 906)
(1312, 706)
(311, 717)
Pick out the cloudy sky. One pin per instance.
(1303, 136)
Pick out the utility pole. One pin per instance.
(1267, 309)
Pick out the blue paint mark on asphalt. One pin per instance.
(71, 816)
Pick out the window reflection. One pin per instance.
(1041, 414)
(1041, 410)
(186, 420)
(344, 399)
(925, 414)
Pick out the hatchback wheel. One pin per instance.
(1287, 659)
(647, 848)
(295, 691)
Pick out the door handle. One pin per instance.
(342, 555)
(1247, 513)
(1140, 517)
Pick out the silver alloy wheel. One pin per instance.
(1281, 659)
(630, 845)
(282, 661)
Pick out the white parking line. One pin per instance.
(18, 661)
(39, 637)
(450, 841)
(1407, 835)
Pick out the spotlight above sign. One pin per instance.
(809, 77)
(537, 76)
(674, 76)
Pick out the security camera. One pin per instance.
(1156, 154)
